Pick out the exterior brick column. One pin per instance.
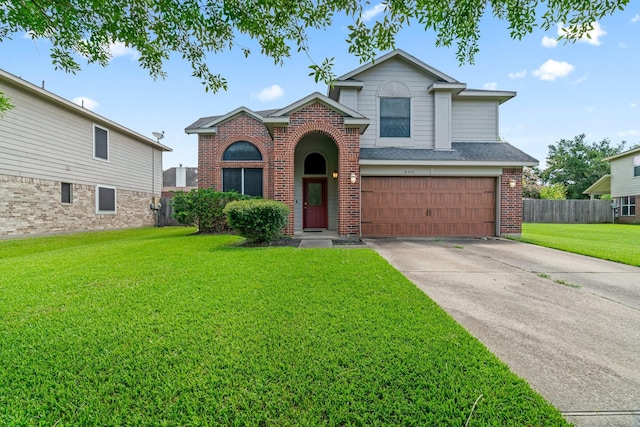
(511, 202)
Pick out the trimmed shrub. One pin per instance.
(203, 208)
(258, 220)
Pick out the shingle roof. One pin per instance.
(461, 151)
(204, 120)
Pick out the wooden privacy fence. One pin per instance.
(567, 211)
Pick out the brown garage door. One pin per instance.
(428, 206)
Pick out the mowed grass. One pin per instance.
(614, 242)
(157, 327)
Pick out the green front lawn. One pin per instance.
(614, 242)
(158, 327)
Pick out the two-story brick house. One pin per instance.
(395, 148)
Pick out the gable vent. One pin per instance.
(394, 90)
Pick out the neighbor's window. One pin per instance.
(242, 151)
(66, 194)
(100, 143)
(105, 200)
(628, 206)
(243, 180)
(395, 117)
(636, 166)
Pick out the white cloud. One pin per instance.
(518, 75)
(592, 37)
(269, 93)
(549, 41)
(371, 13)
(490, 86)
(120, 49)
(581, 79)
(85, 102)
(636, 18)
(629, 133)
(632, 105)
(551, 70)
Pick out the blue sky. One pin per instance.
(590, 87)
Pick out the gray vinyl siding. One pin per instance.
(623, 183)
(474, 121)
(422, 105)
(44, 140)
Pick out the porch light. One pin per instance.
(353, 177)
(512, 183)
(334, 175)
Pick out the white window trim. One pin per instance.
(115, 200)
(628, 204)
(108, 144)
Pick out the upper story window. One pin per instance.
(315, 164)
(242, 151)
(395, 110)
(636, 166)
(100, 143)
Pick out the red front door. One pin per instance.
(315, 203)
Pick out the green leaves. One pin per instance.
(196, 28)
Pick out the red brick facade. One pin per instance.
(278, 158)
(511, 202)
(278, 154)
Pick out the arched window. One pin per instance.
(242, 151)
(395, 110)
(315, 164)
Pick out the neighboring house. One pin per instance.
(623, 184)
(395, 148)
(64, 168)
(179, 179)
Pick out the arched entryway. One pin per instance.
(316, 189)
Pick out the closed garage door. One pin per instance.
(428, 206)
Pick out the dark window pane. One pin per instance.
(395, 117)
(106, 199)
(66, 192)
(314, 164)
(242, 150)
(636, 171)
(101, 149)
(253, 182)
(232, 179)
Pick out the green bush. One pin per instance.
(203, 208)
(258, 220)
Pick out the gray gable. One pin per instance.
(205, 120)
(461, 151)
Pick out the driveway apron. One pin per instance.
(568, 324)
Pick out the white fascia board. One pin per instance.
(444, 163)
(454, 88)
(363, 124)
(317, 96)
(626, 153)
(230, 115)
(276, 120)
(202, 131)
(500, 95)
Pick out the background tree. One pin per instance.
(576, 164)
(195, 28)
(553, 192)
(531, 183)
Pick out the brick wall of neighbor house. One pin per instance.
(511, 202)
(630, 219)
(317, 118)
(211, 147)
(33, 206)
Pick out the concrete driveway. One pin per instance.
(568, 324)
